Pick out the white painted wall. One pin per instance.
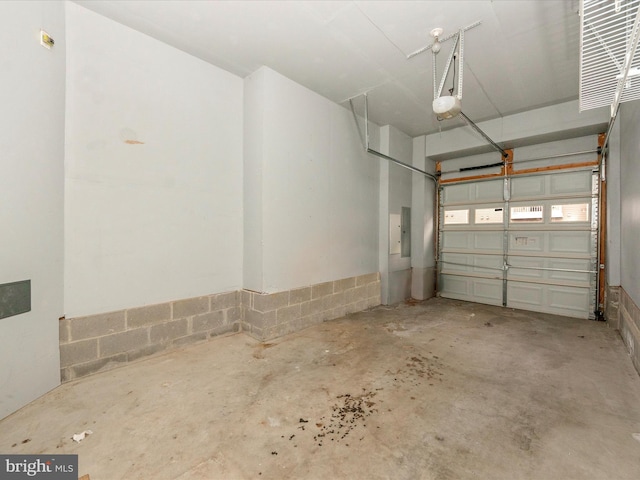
(398, 145)
(31, 196)
(314, 192)
(255, 98)
(384, 222)
(158, 220)
(423, 228)
(630, 198)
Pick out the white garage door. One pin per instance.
(526, 242)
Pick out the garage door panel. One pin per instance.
(488, 191)
(569, 301)
(551, 242)
(455, 240)
(532, 268)
(523, 242)
(534, 250)
(488, 290)
(457, 194)
(570, 183)
(488, 265)
(453, 286)
(468, 240)
(564, 270)
(527, 187)
(552, 270)
(481, 290)
(570, 242)
(524, 295)
(473, 192)
(554, 185)
(488, 241)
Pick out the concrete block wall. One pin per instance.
(612, 306)
(269, 316)
(629, 326)
(100, 342)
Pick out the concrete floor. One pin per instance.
(438, 390)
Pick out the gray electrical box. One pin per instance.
(15, 298)
(405, 233)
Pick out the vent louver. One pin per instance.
(609, 65)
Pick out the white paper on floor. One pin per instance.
(78, 437)
(636, 436)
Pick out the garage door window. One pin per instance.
(575, 212)
(527, 214)
(456, 217)
(488, 215)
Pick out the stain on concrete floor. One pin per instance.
(416, 391)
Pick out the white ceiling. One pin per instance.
(524, 54)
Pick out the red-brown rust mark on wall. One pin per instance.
(134, 142)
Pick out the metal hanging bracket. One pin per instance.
(440, 40)
(380, 154)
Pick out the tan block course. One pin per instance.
(190, 306)
(195, 337)
(628, 326)
(270, 301)
(338, 312)
(78, 352)
(208, 321)
(100, 342)
(150, 314)
(311, 308)
(373, 290)
(260, 320)
(316, 303)
(233, 315)
(344, 284)
(350, 308)
(255, 332)
(222, 301)
(332, 301)
(123, 342)
(321, 290)
(373, 301)
(299, 295)
(145, 351)
(165, 332)
(246, 299)
(287, 314)
(99, 365)
(97, 325)
(368, 278)
(355, 294)
(63, 331)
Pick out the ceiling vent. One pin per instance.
(609, 66)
